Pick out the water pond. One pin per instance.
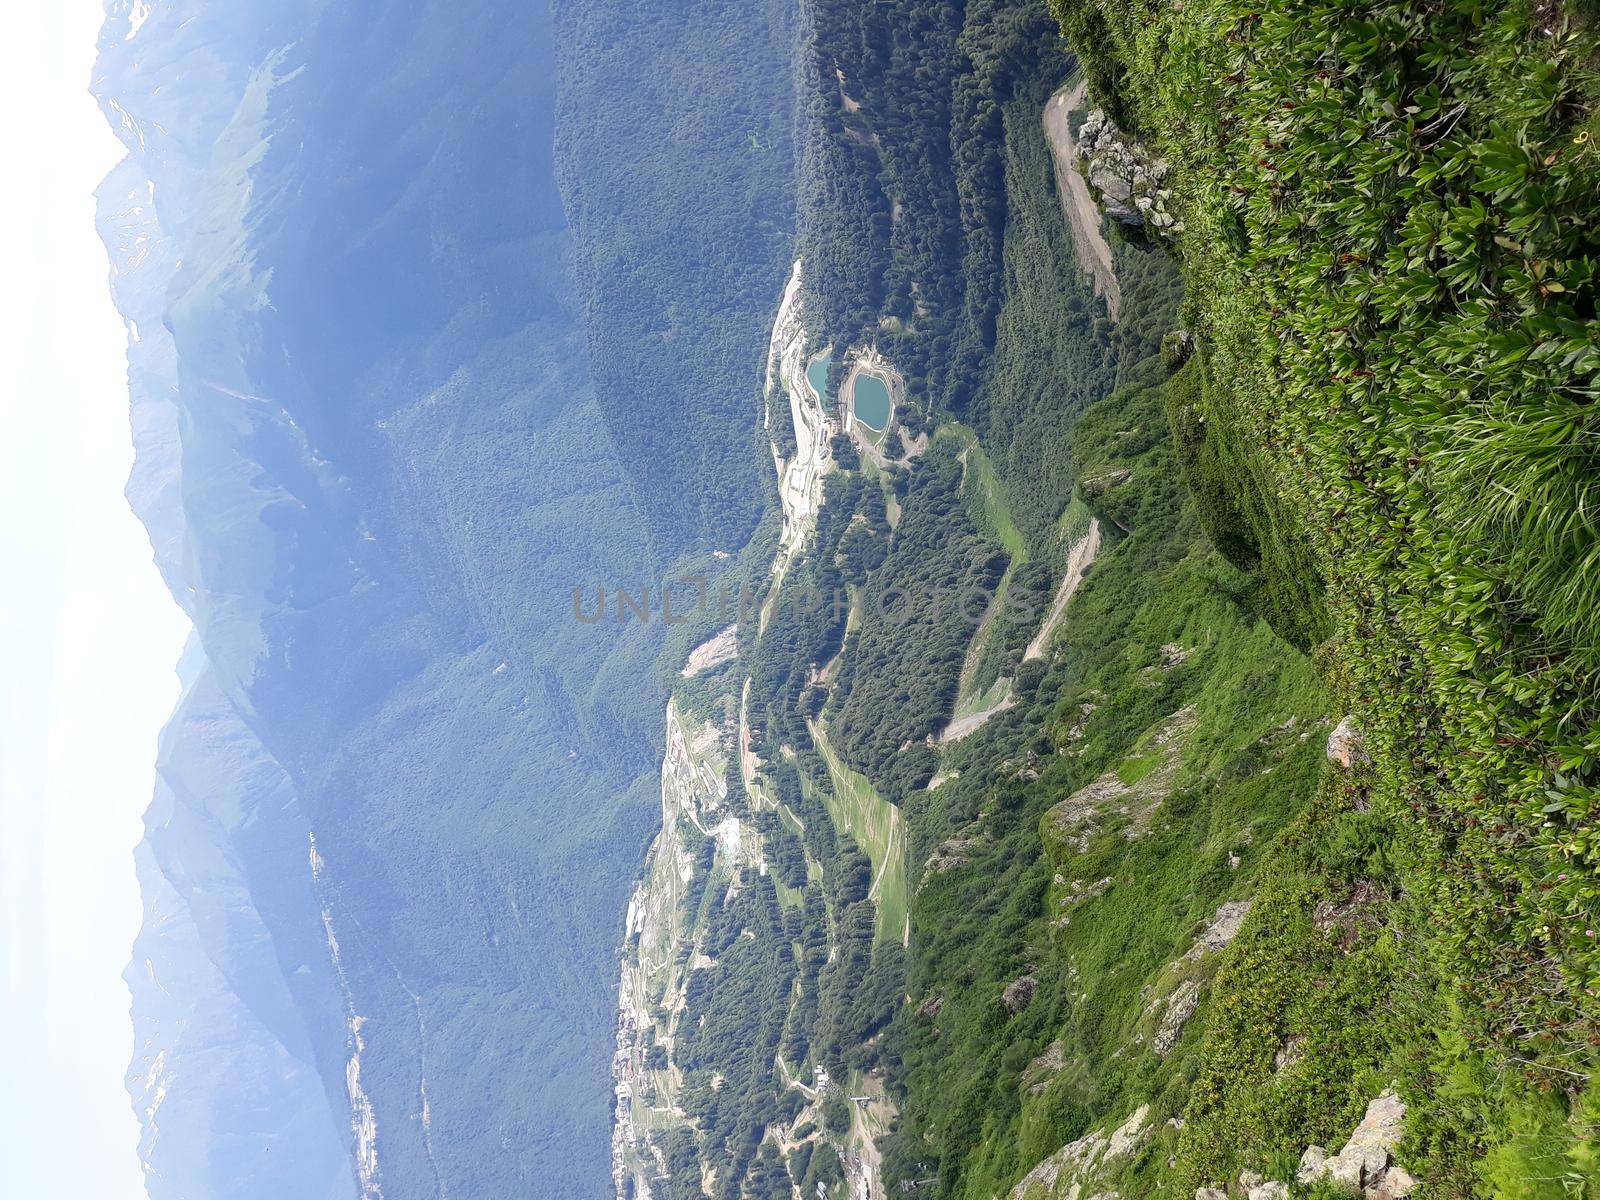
(872, 402)
(817, 375)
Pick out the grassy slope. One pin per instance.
(1390, 250)
(982, 491)
(874, 823)
(979, 1116)
(1246, 808)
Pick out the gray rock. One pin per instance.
(1271, 1190)
(1364, 1163)
(1346, 1172)
(1223, 929)
(1290, 1053)
(1369, 1148)
(1111, 185)
(1126, 1139)
(1181, 1005)
(1019, 994)
(1313, 1165)
(1210, 1193)
(1129, 181)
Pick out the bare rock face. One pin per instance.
(1126, 1138)
(1077, 1166)
(1223, 929)
(1367, 1160)
(1311, 1164)
(1019, 994)
(1180, 1007)
(1130, 182)
(1347, 745)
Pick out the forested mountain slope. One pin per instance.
(1148, 747)
(407, 790)
(674, 147)
(1077, 819)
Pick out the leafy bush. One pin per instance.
(1392, 235)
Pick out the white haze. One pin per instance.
(88, 636)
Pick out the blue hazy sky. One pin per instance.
(88, 636)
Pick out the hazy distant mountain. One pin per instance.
(406, 791)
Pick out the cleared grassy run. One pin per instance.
(985, 500)
(983, 494)
(876, 825)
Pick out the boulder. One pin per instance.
(1177, 348)
(1366, 1155)
(1395, 1184)
(1129, 182)
(1223, 929)
(1112, 185)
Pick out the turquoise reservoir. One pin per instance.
(817, 376)
(872, 402)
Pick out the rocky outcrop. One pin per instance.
(1181, 1005)
(716, 651)
(1223, 929)
(1019, 994)
(1366, 1165)
(1177, 348)
(1130, 182)
(1347, 745)
(1073, 822)
(1076, 1167)
(1367, 1160)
